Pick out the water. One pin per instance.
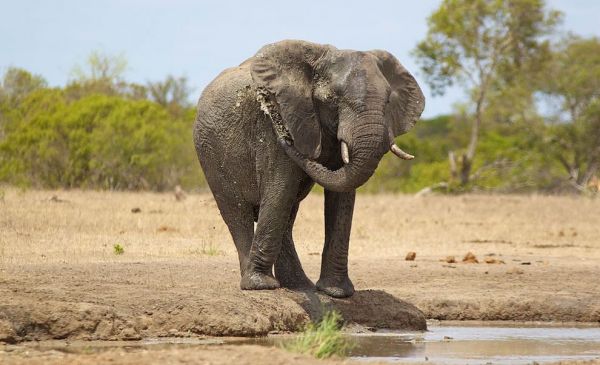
(472, 345)
(480, 345)
(442, 344)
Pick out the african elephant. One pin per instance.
(294, 114)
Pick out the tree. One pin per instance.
(18, 83)
(101, 74)
(173, 93)
(485, 46)
(14, 87)
(574, 90)
(101, 66)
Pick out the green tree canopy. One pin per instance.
(574, 91)
(485, 46)
(98, 139)
(18, 83)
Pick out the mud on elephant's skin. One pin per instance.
(294, 114)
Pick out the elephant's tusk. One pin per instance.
(345, 154)
(398, 152)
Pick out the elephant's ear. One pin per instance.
(285, 69)
(407, 100)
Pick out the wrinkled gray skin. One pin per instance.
(267, 130)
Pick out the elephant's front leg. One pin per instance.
(288, 269)
(334, 279)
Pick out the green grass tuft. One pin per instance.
(118, 249)
(210, 250)
(323, 339)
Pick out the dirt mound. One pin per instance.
(94, 302)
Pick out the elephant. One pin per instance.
(295, 114)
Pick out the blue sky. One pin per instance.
(198, 39)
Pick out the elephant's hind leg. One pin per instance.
(277, 200)
(238, 216)
(288, 269)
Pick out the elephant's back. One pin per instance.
(221, 99)
(225, 105)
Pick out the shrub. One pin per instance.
(118, 249)
(98, 141)
(323, 339)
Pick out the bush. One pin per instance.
(98, 141)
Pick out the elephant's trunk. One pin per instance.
(368, 144)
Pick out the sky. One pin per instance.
(198, 39)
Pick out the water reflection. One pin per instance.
(476, 345)
(473, 345)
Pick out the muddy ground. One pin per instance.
(115, 301)
(60, 276)
(203, 355)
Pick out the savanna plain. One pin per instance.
(114, 266)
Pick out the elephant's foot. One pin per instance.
(293, 280)
(290, 274)
(258, 281)
(337, 287)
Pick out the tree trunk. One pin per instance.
(465, 170)
(467, 158)
(584, 179)
(452, 161)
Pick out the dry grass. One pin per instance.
(84, 226)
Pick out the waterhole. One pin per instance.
(474, 344)
(441, 344)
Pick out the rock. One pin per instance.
(136, 210)
(104, 329)
(7, 332)
(470, 258)
(491, 260)
(129, 333)
(165, 228)
(411, 256)
(450, 259)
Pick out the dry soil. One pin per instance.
(60, 276)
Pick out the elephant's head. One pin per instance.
(365, 99)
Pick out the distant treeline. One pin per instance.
(529, 121)
(98, 132)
